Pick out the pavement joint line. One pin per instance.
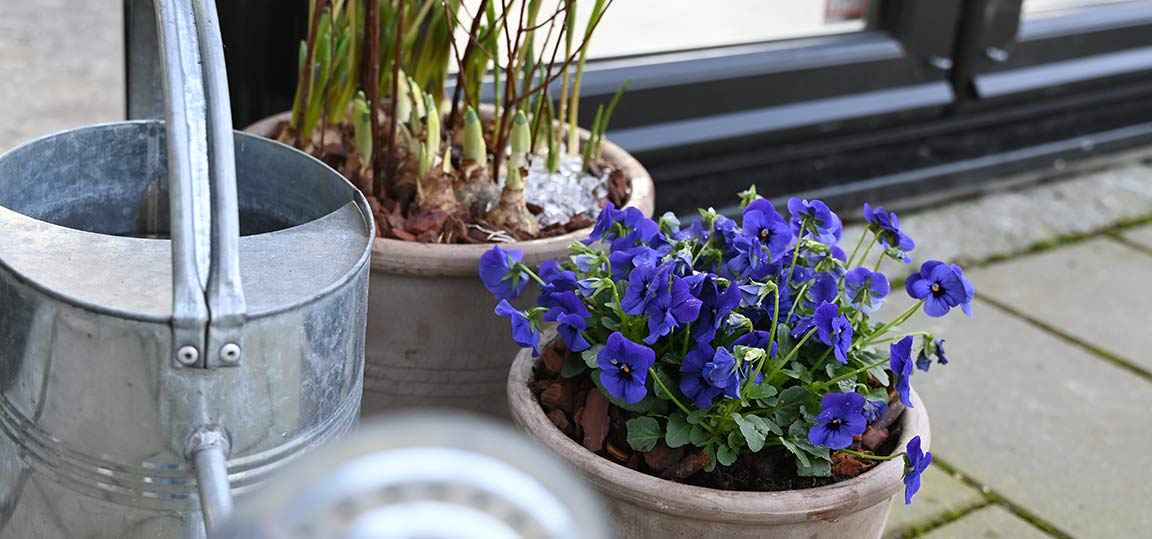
(995, 498)
(1090, 348)
(1057, 242)
(942, 520)
(1129, 243)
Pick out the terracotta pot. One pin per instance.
(646, 507)
(433, 339)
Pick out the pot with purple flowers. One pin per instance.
(731, 379)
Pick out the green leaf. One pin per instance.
(590, 354)
(726, 455)
(784, 342)
(679, 431)
(819, 468)
(573, 366)
(879, 394)
(660, 393)
(788, 407)
(754, 429)
(698, 436)
(649, 403)
(644, 433)
(610, 323)
(697, 416)
(801, 455)
(711, 450)
(880, 373)
(760, 391)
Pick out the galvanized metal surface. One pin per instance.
(121, 271)
(425, 475)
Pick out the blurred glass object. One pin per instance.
(424, 476)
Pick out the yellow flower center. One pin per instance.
(936, 287)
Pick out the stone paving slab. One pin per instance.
(940, 495)
(993, 522)
(61, 66)
(1049, 426)
(1096, 291)
(1013, 221)
(1142, 235)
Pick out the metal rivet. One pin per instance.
(187, 355)
(230, 353)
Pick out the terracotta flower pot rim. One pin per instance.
(461, 260)
(821, 503)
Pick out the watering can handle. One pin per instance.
(208, 306)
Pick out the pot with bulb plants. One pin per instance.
(730, 379)
(448, 176)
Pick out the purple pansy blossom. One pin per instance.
(715, 305)
(918, 461)
(888, 230)
(605, 222)
(833, 329)
(693, 383)
(669, 311)
(645, 283)
(900, 361)
(942, 287)
(556, 279)
(764, 224)
(624, 368)
(500, 272)
(572, 317)
(622, 262)
(524, 332)
(820, 217)
(841, 417)
(923, 361)
(721, 373)
(874, 410)
(824, 288)
(866, 289)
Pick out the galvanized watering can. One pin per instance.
(182, 310)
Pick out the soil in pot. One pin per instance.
(400, 213)
(578, 409)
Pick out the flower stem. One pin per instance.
(864, 255)
(903, 317)
(789, 357)
(898, 337)
(771, 340)
(656, 379)
(870, 457)
(532, 274)
(857, 248)
(820, 386)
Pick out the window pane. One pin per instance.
(647, 26)
(1054, 7)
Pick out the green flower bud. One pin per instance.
(474, 147)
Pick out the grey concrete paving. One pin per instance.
(1096, 291)
(940, 495)
(1013, 221)
(989, 523)
(61, 66)
(1142, 235)
(1046, 424)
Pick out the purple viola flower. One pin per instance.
(524, 332)
(900, 361)
(749, 257)
(556, 279)
(721, 373)
(841, 417)
(501, 273)
(888, 227)
(586, 263)
(820, 217)
(833, 329)
(622, 262)
(923, 361)
(866, 289)
(824, 290)
(639, 229)
(572, 317)
(693, 383)
(756, 339)
(918, 461)
(874, 410)
(942, 287)
(605, 222)
(669, 311)
(645, 284)
(715, 305)
(625, 367)
(764, 224)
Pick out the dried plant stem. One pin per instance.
(371, 76)
(308, 71)
(461, 71)
(390, 176)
